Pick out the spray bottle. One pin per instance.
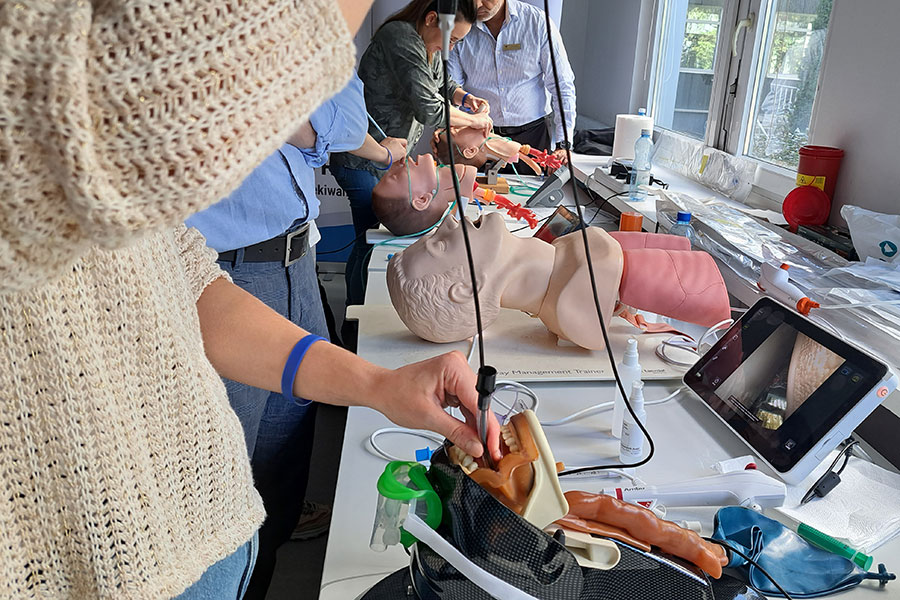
(631, 448)
(629, 372)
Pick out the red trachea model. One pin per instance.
(545, 159)
(515, 210)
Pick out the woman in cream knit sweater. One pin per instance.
(123, 470)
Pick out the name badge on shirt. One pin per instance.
(511, 47)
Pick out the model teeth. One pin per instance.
(464, 460)
(467, 462)
(509, 436)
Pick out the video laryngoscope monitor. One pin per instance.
(789, 389)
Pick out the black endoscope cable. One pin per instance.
(612, 361)
(590, 266)
(729, 548)
(487, 375)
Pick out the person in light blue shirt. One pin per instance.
(505, 59)
(265, 236)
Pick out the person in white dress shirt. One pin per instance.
(518, 83)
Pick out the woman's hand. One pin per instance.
(396, 146)
(482, 121)
(561, 155)
(476, 104)
(416, 395)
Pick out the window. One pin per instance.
(785, 82)
(689, 40)
(739, 75)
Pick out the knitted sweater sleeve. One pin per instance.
(125, 116)
(199, 260)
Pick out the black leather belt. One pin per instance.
(517, 129)
(287, 248)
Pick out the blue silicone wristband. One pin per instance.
(463, 101)
(293, 364)
(390, 161)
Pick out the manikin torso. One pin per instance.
(568, 308)
(546, 280)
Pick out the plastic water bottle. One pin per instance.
(629, 372)
(631, 448)
(683, 226)
(640, 170)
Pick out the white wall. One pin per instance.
(857, 106)
(601, 38)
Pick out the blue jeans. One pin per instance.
(226, 579)
(279, 433)
(358, 185)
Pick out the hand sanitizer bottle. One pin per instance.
(631, 449)
(629, 372)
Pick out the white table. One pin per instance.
(689, 440)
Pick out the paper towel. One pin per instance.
(863, 511)
(628, 130)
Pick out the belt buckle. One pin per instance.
(288, 240)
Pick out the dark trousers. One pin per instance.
(536, 134)
(358, 184)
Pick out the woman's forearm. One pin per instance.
(304, 137)
(247, 341)
(372, 150)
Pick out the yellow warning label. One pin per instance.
(703, 162)
(813, 180)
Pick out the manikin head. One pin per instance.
(430, 285)
(414, 194)
(473, 148)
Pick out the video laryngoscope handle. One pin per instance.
(487, 378)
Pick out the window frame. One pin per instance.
(721, 64)
(734, 89)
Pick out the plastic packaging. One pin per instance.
(683, 226)
(741, 243)
(629, 372)
(874, 234)
(631, 449)
(640, 171)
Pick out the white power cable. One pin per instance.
(382, 453)
(683, 342)
(352, 577)
(720, 325)
(598, 408)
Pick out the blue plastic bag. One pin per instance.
(802, 569)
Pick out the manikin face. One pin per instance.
(513, 479)
(431, 32)
(471, 143)
(525, 479)
(414, 179)
(445, 249)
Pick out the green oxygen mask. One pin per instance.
(403, 488)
